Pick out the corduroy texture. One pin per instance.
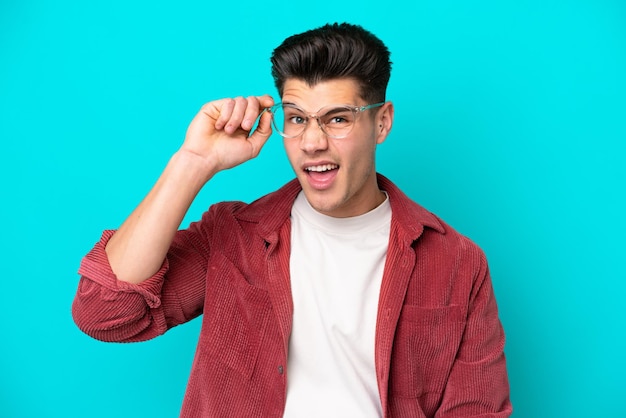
(439, 342)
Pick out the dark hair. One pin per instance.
(334, 51)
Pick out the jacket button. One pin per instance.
(280, 369)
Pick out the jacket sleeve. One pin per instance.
(478, 384)
(109, 309)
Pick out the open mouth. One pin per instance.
(321, 176)
(321, 168)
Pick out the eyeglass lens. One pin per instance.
(336, 122)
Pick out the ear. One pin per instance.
(384, 122)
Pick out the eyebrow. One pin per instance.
(334, 110)
(293, 104)
(338, 107)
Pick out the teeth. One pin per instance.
(322, 168)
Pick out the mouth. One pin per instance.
(321, 176)
(321, 168)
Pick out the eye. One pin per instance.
(293, 116)
(298, 120)
(338, 117)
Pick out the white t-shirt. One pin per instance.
(336, 270)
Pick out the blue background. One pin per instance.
(510, 125)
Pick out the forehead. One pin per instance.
(329, 92)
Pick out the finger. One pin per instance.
(266, 100)
(237, 114)
(256, 106)
(225, 108)
(261, 134)
(252, 112)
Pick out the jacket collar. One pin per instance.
(273, 210)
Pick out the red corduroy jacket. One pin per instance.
(439, 342)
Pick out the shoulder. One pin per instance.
(458, 244)
(429, 232)
(271, 208)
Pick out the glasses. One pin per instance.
(336, 121)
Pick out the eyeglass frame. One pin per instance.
(355, 109)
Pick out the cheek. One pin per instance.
(290, 151)
(363, 154)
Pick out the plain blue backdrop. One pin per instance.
(510, 125)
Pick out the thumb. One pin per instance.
(261, 134)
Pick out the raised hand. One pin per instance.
(220, 133)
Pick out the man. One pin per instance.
(335, 296)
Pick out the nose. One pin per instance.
(313, 138)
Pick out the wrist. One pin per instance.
(192, 168)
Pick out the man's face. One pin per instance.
(338, 176)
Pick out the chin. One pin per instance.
(320, 203)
